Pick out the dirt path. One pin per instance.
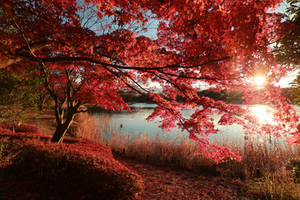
(165, 183)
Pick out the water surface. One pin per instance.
(135, 123)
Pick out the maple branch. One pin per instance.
(22, 53)
(68, 90)
(52, 93)
(125, 82)
(71, 59)
(175, 85)
(188, 97)
(197, 78)
(135, 82)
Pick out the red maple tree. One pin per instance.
(89, 50)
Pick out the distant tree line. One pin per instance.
(229, 97)
(234, 97)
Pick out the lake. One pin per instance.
(135, 124)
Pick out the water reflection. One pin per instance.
(263, 114)
(135, 123)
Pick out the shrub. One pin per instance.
(274, 188)
(82, 170)
(259, 159)
(2, 152)
(296, 169)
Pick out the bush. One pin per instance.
(274, 188)
(296, 169)
(2, 152)
(82, 170)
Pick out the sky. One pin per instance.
(284, 82)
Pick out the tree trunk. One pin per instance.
(61, 130)
(41, 102)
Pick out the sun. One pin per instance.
(259, 80)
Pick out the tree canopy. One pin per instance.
(89, 50)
